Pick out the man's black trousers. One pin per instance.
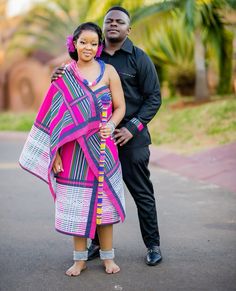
(136, 175)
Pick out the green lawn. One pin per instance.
(190, 128)
(16, 122)
(184, 129)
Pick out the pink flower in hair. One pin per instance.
(70, 44)
(99, 51)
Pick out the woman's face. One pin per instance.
(87, 45)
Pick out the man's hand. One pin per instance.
(58, 73)
(122, 136)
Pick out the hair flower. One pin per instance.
(99, 51)
(70, 44)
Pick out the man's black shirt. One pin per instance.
(141, 90)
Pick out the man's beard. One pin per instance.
(114, 40)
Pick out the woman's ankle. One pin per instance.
(107, 255)
(80, 255)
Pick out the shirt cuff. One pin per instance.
(134, 126)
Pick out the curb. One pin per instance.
(215, 166)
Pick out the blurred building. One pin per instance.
(23, 80)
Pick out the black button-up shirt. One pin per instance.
(141, 90)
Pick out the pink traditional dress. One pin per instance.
(90, 190)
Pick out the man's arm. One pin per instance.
(150, 89)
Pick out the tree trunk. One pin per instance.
(201, 86)
(226, 64)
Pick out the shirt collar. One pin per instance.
(127, 46)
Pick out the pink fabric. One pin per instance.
(60, 121)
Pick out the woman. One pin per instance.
(70, 146)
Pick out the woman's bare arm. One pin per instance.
(118, 101)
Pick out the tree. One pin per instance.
(48, 23)
(173, 51)
(203, 18)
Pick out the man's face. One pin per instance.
(116, 26)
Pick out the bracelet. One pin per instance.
(112, 126)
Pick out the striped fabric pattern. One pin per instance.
(68, 120)
(106, 101)
(137, 123)
(37, 145)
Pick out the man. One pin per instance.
(143, 99)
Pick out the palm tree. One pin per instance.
(48, 23)
(203, 18)
(173, 51)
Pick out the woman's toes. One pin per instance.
(111, 267)
(76, 269)
(116, 269)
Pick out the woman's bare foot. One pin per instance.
(76, 268)
(111, 267)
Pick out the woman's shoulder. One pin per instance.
(110, 69)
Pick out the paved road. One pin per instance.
(197, 224)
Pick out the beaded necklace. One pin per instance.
(86, 82)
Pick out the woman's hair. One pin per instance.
(82, 27)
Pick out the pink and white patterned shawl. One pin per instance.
(69, 112)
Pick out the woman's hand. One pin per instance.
(57, 165)
(107, 130)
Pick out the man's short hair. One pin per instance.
(120, 9)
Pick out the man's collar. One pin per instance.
(127, 46)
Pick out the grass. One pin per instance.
(183, 127)
(16, 122)
(188, 128)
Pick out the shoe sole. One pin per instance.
(153, 264)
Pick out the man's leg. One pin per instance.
(93, 249)
(136, 176)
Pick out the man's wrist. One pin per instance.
(134, 126)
